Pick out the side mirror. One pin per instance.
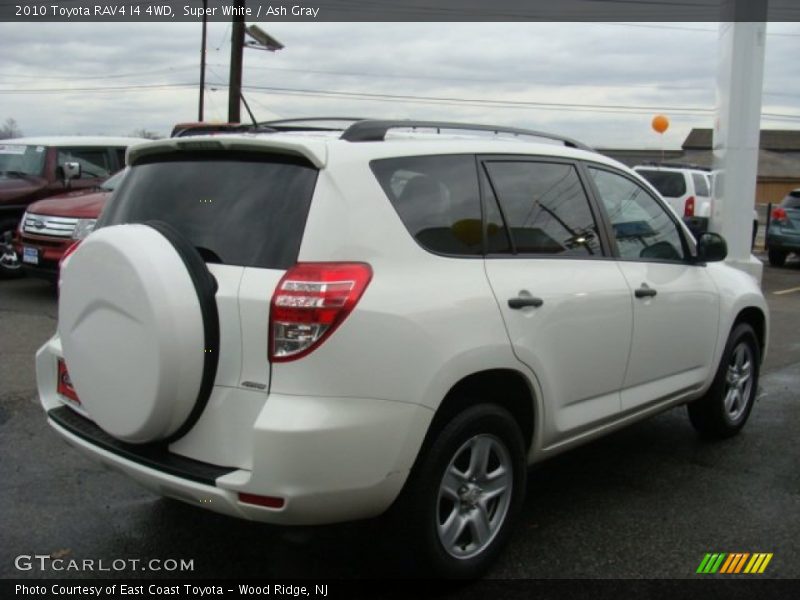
(711, 247)
(72, 170)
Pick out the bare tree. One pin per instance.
(145, 133)
(10, 129)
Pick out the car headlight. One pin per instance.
(83, 228)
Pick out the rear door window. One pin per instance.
(246, 209)
(670, 184)
(437, 198)
(545, 206)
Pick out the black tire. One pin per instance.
(423, 503)
(777, 258)
(10, 267)
(725, 408)
(206, 287)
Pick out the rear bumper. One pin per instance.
(778, 240)
(329, 459)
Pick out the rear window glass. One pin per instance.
(668, 183)
(239, 209)
(437, 199)
(792, 200)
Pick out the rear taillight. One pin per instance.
(310, 302)
(64, 386)
(688, 208)
(779, 214)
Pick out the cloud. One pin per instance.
(656, 66)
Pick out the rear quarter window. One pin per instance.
(700, 184)
(669, 184)
(437, 198)
(246, 209)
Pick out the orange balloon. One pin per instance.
(660, 123)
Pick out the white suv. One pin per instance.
(306, 327)
(691, 192)
(686, 190)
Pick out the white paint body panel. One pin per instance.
(674, 332)
(580, 336)
(336, 432)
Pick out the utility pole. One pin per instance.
(237, 51)
(203, 63)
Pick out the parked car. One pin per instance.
(691, 192)
(319, 327)
(783, 234)
(36, 168)
(49, 227)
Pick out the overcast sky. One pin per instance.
(593, 68)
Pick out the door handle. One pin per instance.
(645, 292)
(523, 301)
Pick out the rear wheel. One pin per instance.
(460, 503)
(724, 410)
(777, 258)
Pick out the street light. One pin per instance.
(262, 40)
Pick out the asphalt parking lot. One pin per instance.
(646, 502)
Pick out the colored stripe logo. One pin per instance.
(734, 562)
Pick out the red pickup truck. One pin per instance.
(36, 168)
(49, 227)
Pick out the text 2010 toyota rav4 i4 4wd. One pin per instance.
(322, 326)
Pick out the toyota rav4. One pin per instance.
(305, 327)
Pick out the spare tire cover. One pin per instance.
(133, 331)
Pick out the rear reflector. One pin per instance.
(65, 383)
(268, 501)
(310, 302)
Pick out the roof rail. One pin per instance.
(375, 131)
(295, 124)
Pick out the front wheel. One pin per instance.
(465, 493)
(10, 264)
(724, 410)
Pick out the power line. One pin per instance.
(483, 103)
(125, 88)
(100, 77)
